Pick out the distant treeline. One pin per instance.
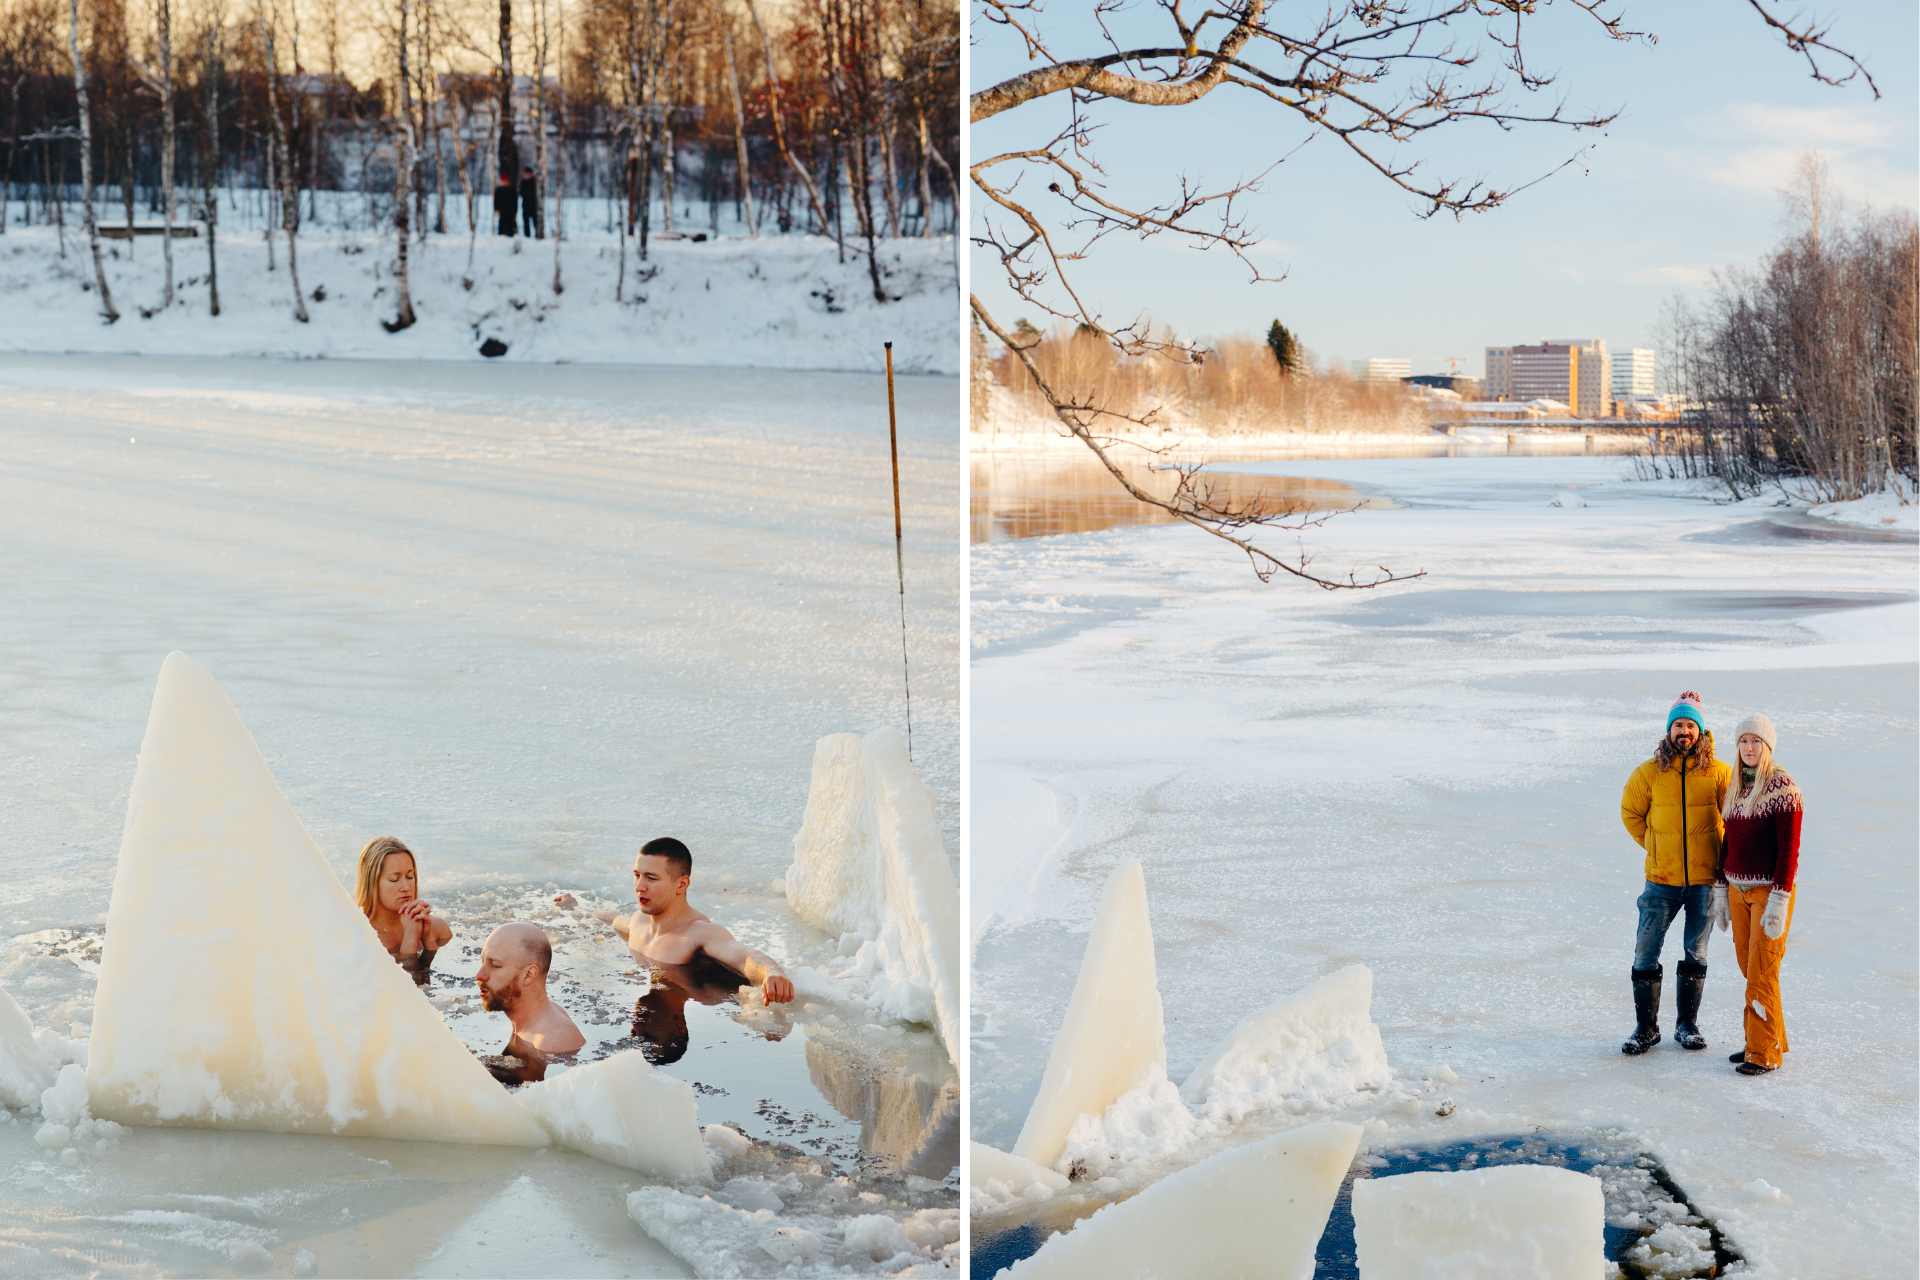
(1231, 386)
(838, 117)
(1805, 368)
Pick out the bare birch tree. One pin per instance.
(86, 160)
(402, 175)
(289, 198)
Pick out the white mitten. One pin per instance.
(1717, 910)
(1773, 922)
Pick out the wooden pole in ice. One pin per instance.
(899, 554)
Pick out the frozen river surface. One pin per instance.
(1425, 779)
(525, 619)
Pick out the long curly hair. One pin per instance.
(1666, 755)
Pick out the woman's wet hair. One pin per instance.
(366, 881)
(673, 851)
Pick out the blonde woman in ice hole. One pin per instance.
(1762, 812)
(387, 888)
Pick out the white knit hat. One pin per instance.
(1760, 727)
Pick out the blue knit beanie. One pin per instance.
(1688, 708)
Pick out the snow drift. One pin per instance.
(1513, 1222)
(1113, 1038)
(869, 865)
(1256, 1210)
(1318, 1047)
(240, 987)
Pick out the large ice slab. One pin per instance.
(1318, 1046)
(1113, 1039)
(1257, 1210)
(621, 1110)
(869, 865)
(1513, 1222)
(26, 1068)
(240, 987)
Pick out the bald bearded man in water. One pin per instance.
(513, 980)
(666, 930)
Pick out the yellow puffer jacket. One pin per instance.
(1674, 814)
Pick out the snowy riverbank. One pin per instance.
(775, 303)
(1425, 779)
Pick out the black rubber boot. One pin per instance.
(1691, 984)
(1646, 1008)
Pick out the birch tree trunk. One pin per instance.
(289, 200)
(86, 159)
(509, 149)
(210, 166)
(540, 125)
(740, 135)
(779, 131)
(926, 184)
(165, 13)
(893, 181)
(402, 175)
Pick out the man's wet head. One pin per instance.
(661, 872)
(513, 962)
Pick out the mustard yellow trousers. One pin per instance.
(1759, 958)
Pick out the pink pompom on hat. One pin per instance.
(1688, 708)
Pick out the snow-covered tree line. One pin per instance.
(830, 117)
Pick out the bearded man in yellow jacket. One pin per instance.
(1671, 807)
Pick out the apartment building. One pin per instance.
(1498, 381)
(1577, 372)
(1380, 369)
(1633, 373)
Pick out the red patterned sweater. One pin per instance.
(1765, 849)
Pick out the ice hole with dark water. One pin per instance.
(1642, 1198)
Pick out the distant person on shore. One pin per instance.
(1762, 812)
(1671, 808)
(506, 199)
(386, 887)
(529, 200)
(512, 979)
(666, 930)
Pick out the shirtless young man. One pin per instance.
(667, 930)
(513, 980)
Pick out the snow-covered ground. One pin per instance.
(778, 302)
(1425, 779)
(524, 618)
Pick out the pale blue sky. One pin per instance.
(1682, 184)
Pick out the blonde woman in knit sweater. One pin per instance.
(1762, 812)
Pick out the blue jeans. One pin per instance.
(1659, 904)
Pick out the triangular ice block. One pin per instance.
(1113, 1039)
(240, 987)
(869, 862)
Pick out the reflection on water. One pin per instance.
(909, 1112)
(1035, 495)
(660, 1015)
